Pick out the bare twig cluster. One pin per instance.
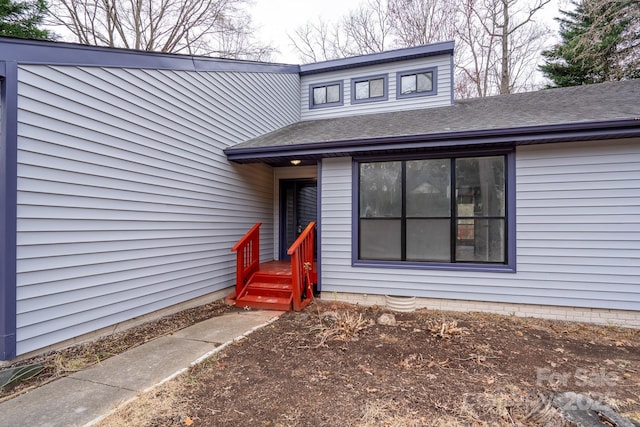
(340, 326)
(446, 329)
(497, 41)
(212, 27)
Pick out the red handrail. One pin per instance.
(247, 256)
(301, 252)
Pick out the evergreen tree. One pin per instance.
(599, 42)
(22, 18)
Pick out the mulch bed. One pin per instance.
(334, 364)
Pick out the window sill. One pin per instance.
(407, 265)
(326, 105)
(369, 100)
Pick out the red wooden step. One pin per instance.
(264, 302)
(281, 290)
(267, 285)
(270, 278)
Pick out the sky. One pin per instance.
(275, 18)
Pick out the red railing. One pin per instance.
(247, 256)
(301, 252)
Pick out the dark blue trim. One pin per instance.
(385, 95)
(8, 194)
(511, 211)
(282, 223)
(355, 202)
(319, 229)
(545, 134)
(406, 265)
(57, 53)
(434, 83)
(378, 58)
(453, 83)
(509, 266)
(339, 103)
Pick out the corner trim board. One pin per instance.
(8, 199)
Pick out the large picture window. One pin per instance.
(437, 210)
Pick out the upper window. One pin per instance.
(325, 95)
(416, 83)
(369, 89)
(439, 210)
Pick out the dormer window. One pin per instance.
(325, 95)
(416, 83)
(369, 89)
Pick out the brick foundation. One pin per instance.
(624, 318)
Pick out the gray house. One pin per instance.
(128, 176)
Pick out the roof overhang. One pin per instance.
(44, 52)
(423, 51)
(582, 131)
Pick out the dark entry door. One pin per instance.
(298, 207)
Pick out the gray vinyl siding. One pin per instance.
(126, 202)
(442, 98)
(578, 234)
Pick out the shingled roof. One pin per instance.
(583, 112)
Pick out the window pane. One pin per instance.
(480, 240)
(376, 88)
(408, 83)
(429, 188)
(480, 186)
(381, 190)
(425, 82)
(428, 240)
(362, 90)
(380, 239)
(333, 93)
(319, 95)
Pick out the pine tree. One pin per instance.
(599, 42)
(22, 19)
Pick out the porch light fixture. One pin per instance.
(296, 162)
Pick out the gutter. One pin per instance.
(624, 128)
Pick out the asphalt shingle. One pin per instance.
(581, 104)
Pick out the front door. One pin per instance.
(298, 207)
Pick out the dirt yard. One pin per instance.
(337, 365)
(344, 365)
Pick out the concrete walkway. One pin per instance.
(84, 398)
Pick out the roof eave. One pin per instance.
(584, 131)
(440, 48)
(44, 52)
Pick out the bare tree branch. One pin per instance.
(497, 41)
(192, 26)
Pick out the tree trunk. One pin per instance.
(505, 77)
